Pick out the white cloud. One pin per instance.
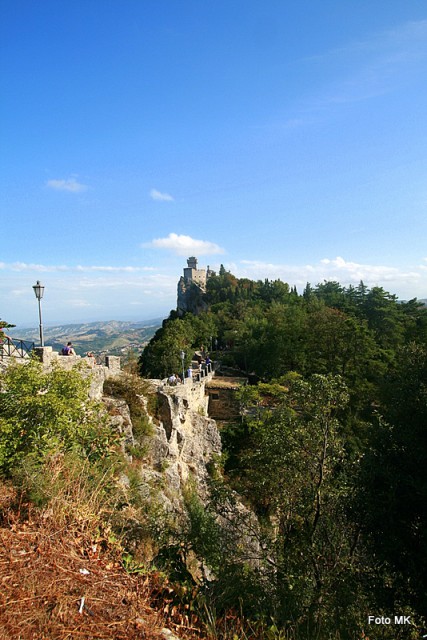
(43, 268)
(113, 269)
(161, 197)
(106, 292)
(79, 304)
(184, 245)
(404, 282)
(71, 185)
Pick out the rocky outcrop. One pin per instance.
(180, 442)
(185, 440)
(120, 419)
(190, 298)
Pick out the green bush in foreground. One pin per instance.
(45, 412)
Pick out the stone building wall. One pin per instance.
(221, 393)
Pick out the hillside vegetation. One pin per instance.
(77, 535)
(316, 512)
(329, 454)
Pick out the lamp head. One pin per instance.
(38, 290)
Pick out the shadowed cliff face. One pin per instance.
(190, 298)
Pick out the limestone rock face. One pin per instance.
(185, 440)
(120, 419)
(190, 298)
(182, 443)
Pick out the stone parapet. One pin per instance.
(87, 366)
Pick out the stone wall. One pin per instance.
(221, 392)
(98, 373)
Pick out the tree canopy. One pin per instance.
(330, 451)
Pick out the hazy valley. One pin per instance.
(115, 337)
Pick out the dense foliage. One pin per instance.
(269, 329)
(330, 453)
(42, 412)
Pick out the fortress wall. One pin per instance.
(198, 276)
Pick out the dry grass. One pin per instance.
(62, 578)
(60, 582)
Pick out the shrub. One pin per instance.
(44, 412)
(130, 388)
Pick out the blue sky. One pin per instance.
(283, 139)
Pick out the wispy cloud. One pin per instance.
(103, 268)
(31, 266)
(408, 36)
(70, 184)
(92, 292)
(160, 197)
(363, 69)
(409, 281)
(52, 268)
(107, 291)
(182, 245)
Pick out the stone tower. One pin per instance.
(193, 274)
(191, 287)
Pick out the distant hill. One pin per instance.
(113, 337)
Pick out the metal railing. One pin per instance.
(197, 375)
(15, 348)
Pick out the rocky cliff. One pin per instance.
(185, 440)
(181, 443)
(190, 298)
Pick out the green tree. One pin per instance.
(4, 325)
(300, 481)
(162, 356)
(394, 480)
(385, 317)
(331, 293)
(281, 348)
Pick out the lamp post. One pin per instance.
(183, 372)
(39, 291)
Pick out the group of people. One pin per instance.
(174, 379)
(203, 365)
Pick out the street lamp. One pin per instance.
(183, 372)
(39, 291)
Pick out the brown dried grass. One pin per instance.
(43, 583)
